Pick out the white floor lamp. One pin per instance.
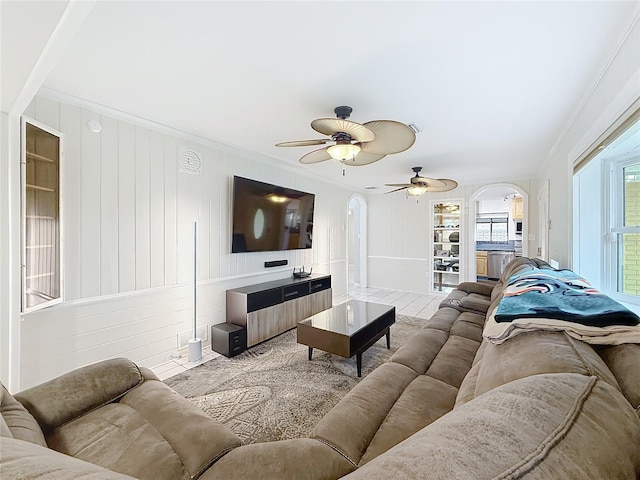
(195, 344)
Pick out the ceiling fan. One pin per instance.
(421, 185)
(354, 143)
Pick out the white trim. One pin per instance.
(151, 291)
(410, 259)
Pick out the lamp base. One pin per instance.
(195, 350)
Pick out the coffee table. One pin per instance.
(347, 329)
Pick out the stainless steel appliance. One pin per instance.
(496, 261)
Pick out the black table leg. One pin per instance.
(310, 352)
(359, 363)
(388, 338)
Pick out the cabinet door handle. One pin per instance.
(291, 293)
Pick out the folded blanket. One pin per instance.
(560, 295)
(496, 332)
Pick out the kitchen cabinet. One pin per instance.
(517, 211)
(447, 237)
(481, 264)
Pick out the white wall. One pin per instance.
(400, 241)
(612, 94)
(128, 241)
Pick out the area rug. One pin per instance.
(273, 392)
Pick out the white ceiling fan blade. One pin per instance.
(317, 156)
(331, 126)
(303, 143)
(407, 185)
(390, 137)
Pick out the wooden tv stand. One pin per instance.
(270, 308)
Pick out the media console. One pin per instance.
(270, 308)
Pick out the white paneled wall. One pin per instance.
(128, 241)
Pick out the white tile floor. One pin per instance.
(407, 303)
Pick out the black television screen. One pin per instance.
(269, 218)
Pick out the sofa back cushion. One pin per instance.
(540, 427)
(17, 422)
(76, 393)
(151, 433)
(624, 363)
(531, 354)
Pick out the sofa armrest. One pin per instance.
(474, 287)
(76, 393)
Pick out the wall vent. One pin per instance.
(184, 337)
(190, 161)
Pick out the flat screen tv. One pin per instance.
(270, 218)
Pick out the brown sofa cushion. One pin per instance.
(534, 353)
(151, 433)
(299, 459)
(17, 422)
(540, 427)
(624, 363)
(24, 460)
(76, 393)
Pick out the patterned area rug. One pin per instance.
(273, 392)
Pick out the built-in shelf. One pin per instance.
(38, 187)
(446, 223)
(40, 158)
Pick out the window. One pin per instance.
(624, 227)
(606, 214)
(41, 226)
(492, 229)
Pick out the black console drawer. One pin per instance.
(294, 291)
(264, 299)
(320, 284)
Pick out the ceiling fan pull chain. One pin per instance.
(343, 173)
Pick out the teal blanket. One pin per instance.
(561, 295)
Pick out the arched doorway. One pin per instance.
(498, 218)
(356, 242)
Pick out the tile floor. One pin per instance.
(419, 305)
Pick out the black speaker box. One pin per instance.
(275, 263)
(228, 339)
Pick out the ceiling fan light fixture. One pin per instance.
(343, 151)
(416, 190)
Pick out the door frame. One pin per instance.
(471, 273)
(363, 239)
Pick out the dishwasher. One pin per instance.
(496, 261)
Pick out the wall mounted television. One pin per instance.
(269, 218)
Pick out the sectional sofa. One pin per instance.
(447, 405)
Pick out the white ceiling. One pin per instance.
(490, 84)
